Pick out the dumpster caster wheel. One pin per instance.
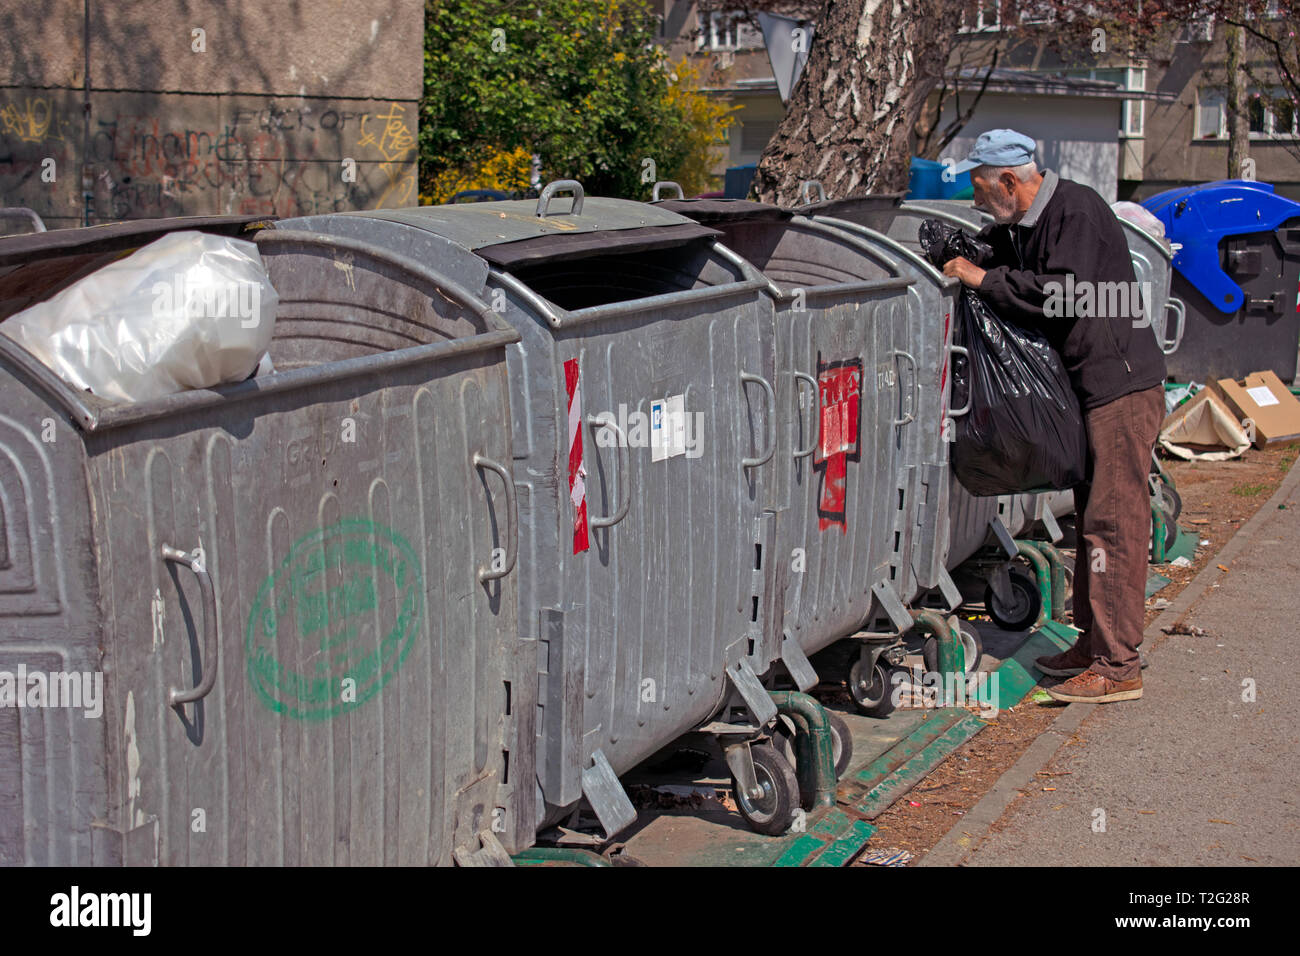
(1025, 604)
(841, 742)
(1172, 500)
(871, 689)
(772, 812)
(971, 644)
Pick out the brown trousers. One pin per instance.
(1113, 518)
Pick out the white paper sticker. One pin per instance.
(1262, 396)
(668, 427)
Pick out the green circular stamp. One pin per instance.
(335, 620)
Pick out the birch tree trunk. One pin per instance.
(1237, 104)
(871, 65)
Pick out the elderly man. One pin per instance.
(1045, 229)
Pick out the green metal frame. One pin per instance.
(1043, 573)
(814, 750)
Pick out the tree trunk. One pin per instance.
(1236, 102)
(871, 66)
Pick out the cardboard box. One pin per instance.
(1262, 398)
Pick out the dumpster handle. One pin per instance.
(916, 388)
(816, 416)
(197, 563)
(624, 470)
(512, 512)
(22, 212)
(764, 458)
(1179, 310)
(960, 350)
(654, 195)
(807, 187)
(572, 185)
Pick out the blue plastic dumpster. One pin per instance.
(1238, 272)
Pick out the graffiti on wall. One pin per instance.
(178, 154)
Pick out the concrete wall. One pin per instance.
(260, 120)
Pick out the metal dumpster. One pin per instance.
(1238, 270)
(297, 588)
(645, 564)
(1152, 258)
(860, 339)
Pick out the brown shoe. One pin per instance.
(1091, 688)
(1067, 664)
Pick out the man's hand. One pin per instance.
(968, 272)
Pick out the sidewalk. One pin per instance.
(1190, 774)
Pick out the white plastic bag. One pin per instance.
(1140, 216)
(189, 310)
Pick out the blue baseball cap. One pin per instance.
(999, 147)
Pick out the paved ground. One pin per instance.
(1191, 774)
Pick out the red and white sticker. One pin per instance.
(577, 472)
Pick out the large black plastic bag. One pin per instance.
(1024, 431)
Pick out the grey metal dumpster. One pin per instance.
(861, 390)
(1151, 255)
(645, 565)
(297, 589)
(1152, 258)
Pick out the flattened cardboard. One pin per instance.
(1275, 421)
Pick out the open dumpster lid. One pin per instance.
(724, 210)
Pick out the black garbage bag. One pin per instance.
(1025, 430)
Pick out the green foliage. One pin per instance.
(578, 82)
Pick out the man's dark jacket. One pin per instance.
(1069, 228)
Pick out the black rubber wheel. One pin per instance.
(841, 747)
(1067, 566)
(1173, 501)
(872, 693)
(1025, 604)
(773, 812)
(841, 743)
(971, 644)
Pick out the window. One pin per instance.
(727, 30)
(1211, 118)
(1038, 12)
(981, 15)
(756, 134)
(1272, 114)
(1134, 111)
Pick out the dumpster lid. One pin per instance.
(836, 207)
(116, 236)
(477, 226)
(582, 245)
(1199, 217)
(724, 210)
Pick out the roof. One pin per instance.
(1035, 83)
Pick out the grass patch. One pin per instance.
(1249, 491)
